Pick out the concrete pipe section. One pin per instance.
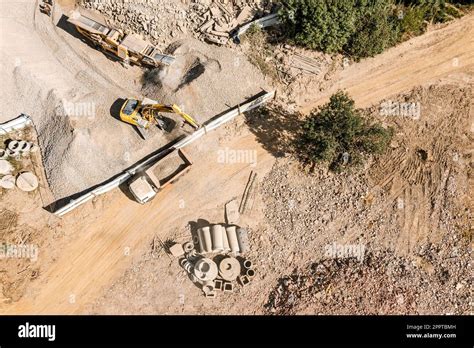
(217, 242)
(232, 237)
(248, 264)
(225, 240)
(27, 181)
(14, 145)
(5, 167)
(242, 237)
(7, 182)
(229, 268)
(205, 270)
(24, 146)
(188, 247)
(206, 246)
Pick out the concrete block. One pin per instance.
(228, 287)
(177, 250)
(232, 212)
(243, 280)
(218, 284)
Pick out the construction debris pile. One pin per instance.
(13, 153)
(163, 22)
(160, 21)
(213, 261)
(213, 21)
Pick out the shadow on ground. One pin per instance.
(275, 128)
(71, 29)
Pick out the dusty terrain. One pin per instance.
(411, 208)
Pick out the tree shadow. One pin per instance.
(275, 128)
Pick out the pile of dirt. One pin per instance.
(73, 93)
(204, 80)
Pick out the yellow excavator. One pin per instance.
(146, 113)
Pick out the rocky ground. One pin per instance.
(163, 22)
(414, 261)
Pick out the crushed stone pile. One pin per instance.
(204, 80)
(164, 21)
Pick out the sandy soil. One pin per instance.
(444, 53)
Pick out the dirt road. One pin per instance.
(444, 53)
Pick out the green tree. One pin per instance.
(337, 134)
(376, 30)
(319, 24)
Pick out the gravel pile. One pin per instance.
(164, 21)
(204, 80)
(160, 21)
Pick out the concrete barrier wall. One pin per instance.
(17, 123)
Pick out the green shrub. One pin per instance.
(376, 30)
(337, 134)
(319, 24)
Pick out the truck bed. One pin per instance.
(168, 168)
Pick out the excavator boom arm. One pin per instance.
(149, 108)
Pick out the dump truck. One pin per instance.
(147, 112)
(128, 48)
(146, 184)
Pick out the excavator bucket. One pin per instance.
(184, 115)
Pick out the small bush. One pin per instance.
(337, 134)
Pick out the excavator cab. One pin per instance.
(143, 114)
(130, 113)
